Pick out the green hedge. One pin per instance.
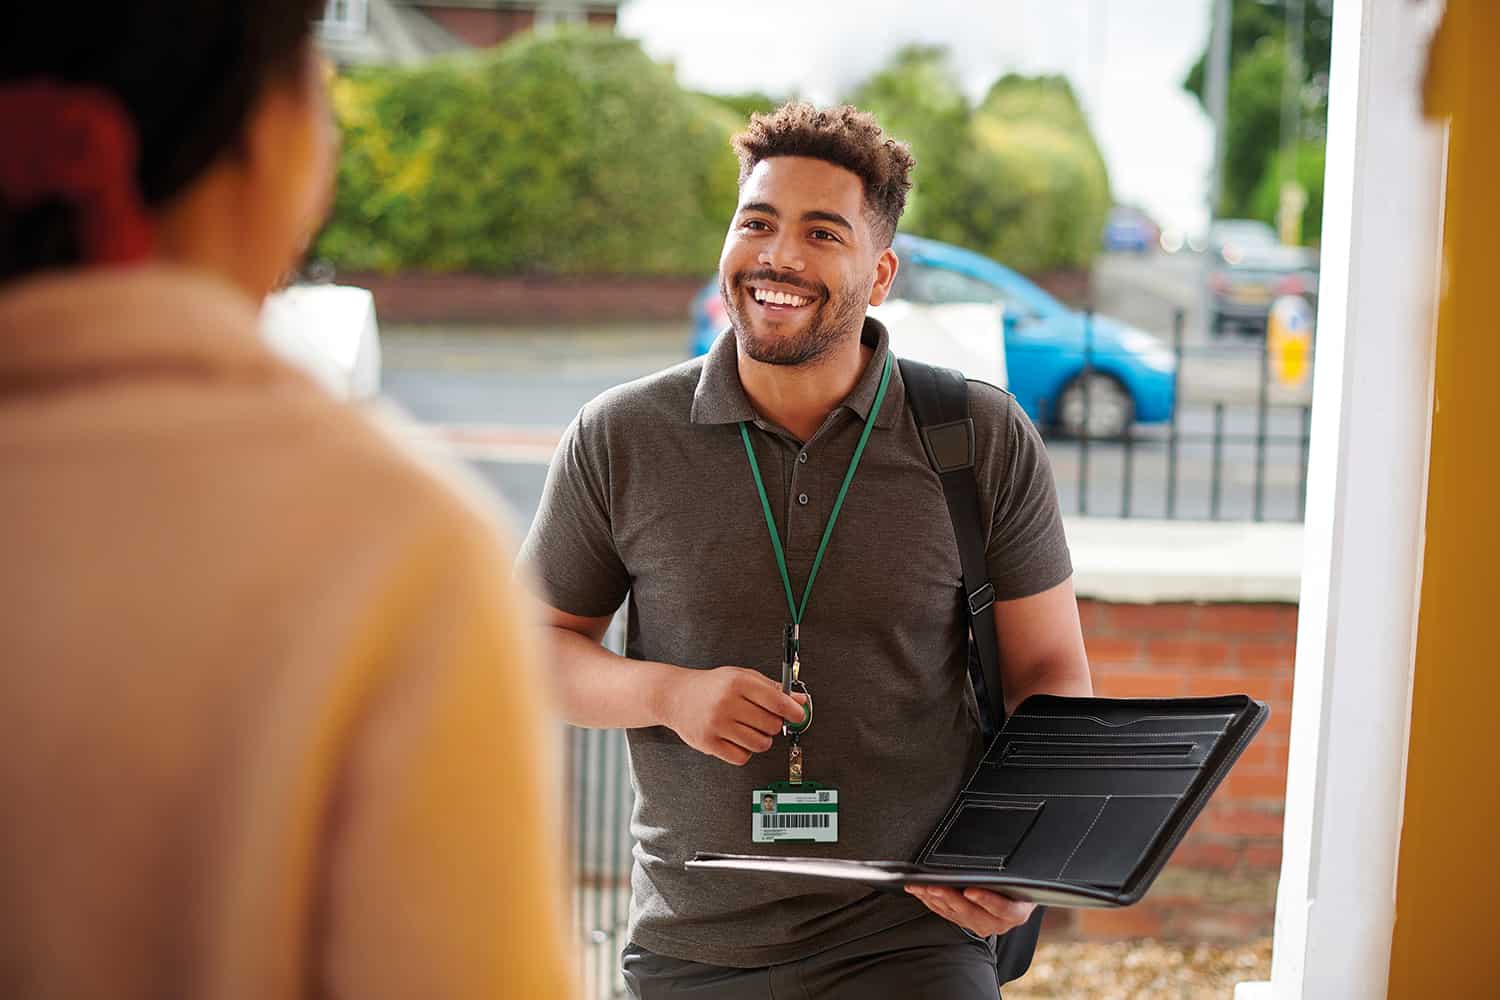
(1018, 178)
(569, 153)
(573, 152)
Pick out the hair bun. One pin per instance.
(76, 145)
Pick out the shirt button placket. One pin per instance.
(797, 478)
(802, 533)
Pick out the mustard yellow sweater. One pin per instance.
(269, 725)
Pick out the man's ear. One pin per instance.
(885, 273)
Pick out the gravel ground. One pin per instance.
(1140, 970)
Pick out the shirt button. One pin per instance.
(802, 458)
(802, 499)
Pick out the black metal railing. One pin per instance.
(1231, 450)
(600, 800)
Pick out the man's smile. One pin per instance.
(778, 300)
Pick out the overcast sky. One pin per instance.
(1126, 58)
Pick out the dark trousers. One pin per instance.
(926, 957)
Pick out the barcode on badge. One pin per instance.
(794, 821)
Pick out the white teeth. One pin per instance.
(779, 298)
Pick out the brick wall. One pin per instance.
(1221, 882)
(1074, 286)
(482, 299)
(480, 28)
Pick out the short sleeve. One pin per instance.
(1028, 550)
(570, 550)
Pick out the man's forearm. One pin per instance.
(1069, 677)
(600, 690)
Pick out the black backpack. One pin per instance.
(939, 399)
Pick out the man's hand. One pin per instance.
(728, 712)
(977, 910)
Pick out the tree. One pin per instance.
(751, 102)
(916, 97)
(1266, 201)
(1018, 178)
(1258, 35)
(1253, 130)
(565, 153)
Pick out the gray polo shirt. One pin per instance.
(650, 496)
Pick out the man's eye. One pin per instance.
(824, 234)
(755, 224)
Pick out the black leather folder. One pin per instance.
(1077, 802)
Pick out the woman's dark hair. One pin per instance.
(187, 73)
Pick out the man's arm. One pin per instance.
(727, 712)
(1041, 652)
(1041, 646)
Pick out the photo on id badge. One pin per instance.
(804, 813)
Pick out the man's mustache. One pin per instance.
(780, 278)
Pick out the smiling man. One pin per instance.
(769, 509)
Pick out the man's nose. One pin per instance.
(781, 254)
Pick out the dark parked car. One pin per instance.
(1243, 283)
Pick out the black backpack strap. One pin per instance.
(939, 399)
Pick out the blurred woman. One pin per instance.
(268, 726)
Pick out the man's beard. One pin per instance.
(832, 319)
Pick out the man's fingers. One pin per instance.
(938, 903)
(748, 737)
(731, 754)
(759, 719)
(1000, 906)
(768, 695)
(977, 910)
(967, 915)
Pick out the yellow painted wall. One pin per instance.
(1448, 880)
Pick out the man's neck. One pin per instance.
(800, 397)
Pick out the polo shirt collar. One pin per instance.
(720, 398)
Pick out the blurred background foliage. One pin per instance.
(1018, 177)
(572, 152)
(1255, 163)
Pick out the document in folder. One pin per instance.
(1077, 802)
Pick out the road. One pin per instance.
(500, 398)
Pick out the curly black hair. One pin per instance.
(843, 136)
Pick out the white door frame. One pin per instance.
(1366, 501)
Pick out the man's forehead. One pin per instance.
(803, 182)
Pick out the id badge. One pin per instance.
(806, 813)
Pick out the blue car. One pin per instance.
(1132, 378)
(1128, 230)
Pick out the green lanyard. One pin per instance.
(765, 505)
